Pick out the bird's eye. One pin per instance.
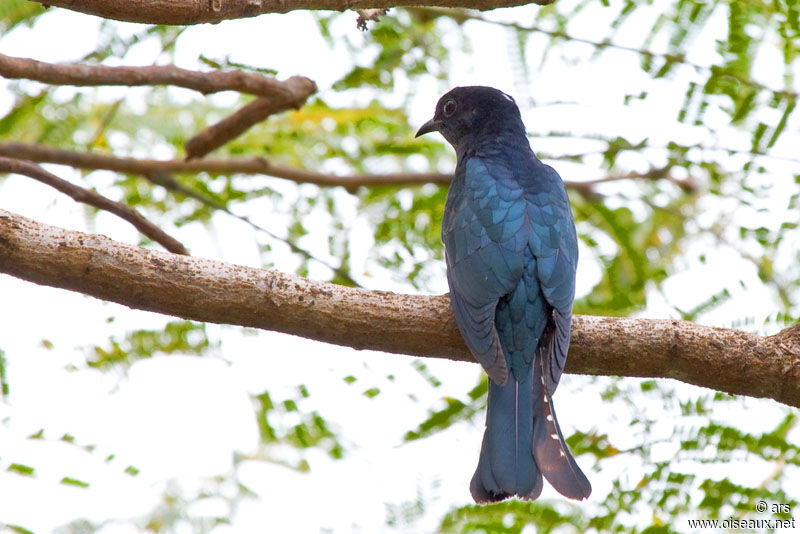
(449, 108)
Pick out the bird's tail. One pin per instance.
(506, 466)
(522, 442)
(551, 452)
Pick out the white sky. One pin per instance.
(182, 418)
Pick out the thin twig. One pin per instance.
(93, 75)
(168, 182)
(689, 185)
(293, 94)
(86, 196)
(672, 146)
(462, 15)
(108, 116)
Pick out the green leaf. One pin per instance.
(74, 482)
(21, 469)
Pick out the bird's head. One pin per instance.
(472, 112)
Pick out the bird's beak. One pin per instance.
(430, 126)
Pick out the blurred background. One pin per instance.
(673, 123)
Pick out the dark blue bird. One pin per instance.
(511, 252)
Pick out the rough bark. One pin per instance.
(200, 11)
(213, 291)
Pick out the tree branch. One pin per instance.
(91, 75)
(184, 12)
(87, 196)
(256, 165)
(146, 168)
(292, 94)
(162, 179)
(207, 290)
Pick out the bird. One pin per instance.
(511, 251)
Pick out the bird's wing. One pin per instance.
(483, 235)
(555, 245)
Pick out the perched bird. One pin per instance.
(511, 253)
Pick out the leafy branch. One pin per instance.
(463, 15)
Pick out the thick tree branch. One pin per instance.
(292, 94)
(91, 75)
(206, 290)
(147, 167)
(201, 11)
(87, 196)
